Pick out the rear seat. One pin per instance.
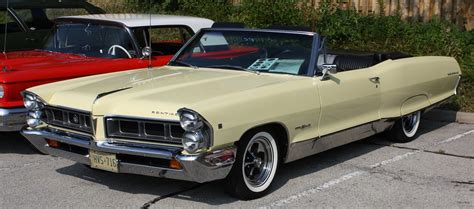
(346, 62)
(352, 62)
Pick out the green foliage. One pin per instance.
(145, 6)
(346, 29)
(266, 13)
(213, 9)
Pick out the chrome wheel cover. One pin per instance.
(410, 123)
(259, 162)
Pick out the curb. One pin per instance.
(450, 116)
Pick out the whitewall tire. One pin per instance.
(406, 128)
(256, 164)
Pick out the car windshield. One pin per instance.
(92, 40)
(257, 51)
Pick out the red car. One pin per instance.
(88, 45)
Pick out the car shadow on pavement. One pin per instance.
(15, 143)
(213, 193)
(129, 183)
(425, 127)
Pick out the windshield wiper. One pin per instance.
(234, 67)
(181, 63)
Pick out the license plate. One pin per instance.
(103, 161)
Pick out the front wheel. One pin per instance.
(406, 129)
(255, 166)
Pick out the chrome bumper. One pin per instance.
(197, 168)
(12, 119)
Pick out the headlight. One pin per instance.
(2, 91)
(193, 141)
(33, 123)
(33, 119)
(34, 106)
(31, 102)
(190, 121)
(198, 132)
(35, 115)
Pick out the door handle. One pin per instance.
(375, 79)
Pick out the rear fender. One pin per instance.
(414, 104)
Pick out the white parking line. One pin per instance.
(349, 176)
(454, 138)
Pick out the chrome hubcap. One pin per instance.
(258, 161)
(410, 122)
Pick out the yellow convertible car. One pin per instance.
(235, 103)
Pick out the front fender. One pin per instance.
(291, 104)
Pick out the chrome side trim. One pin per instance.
(310, 147)
(456, 88)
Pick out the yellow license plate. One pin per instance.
(103, 161)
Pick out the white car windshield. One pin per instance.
(259, 51)
(92, 40)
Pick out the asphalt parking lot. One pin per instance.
(436, 170)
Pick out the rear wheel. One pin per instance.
(255, 166)
(406, 129)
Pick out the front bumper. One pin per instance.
(12, 119)
(197, 168)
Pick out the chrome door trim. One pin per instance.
(313, 146)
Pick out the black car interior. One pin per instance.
(168, 47)
(346, 61)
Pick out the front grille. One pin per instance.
(69, 119)
(142, 130)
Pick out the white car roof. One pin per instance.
(142, 20)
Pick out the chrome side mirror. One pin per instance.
(327, 70)
(146, 51)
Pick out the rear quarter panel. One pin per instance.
(411, 84)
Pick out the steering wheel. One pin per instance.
(111, 50)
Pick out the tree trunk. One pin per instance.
(394, 7)
(405, 6)
(376, 6)
(415, 9)
(437, 8)
(448, 10)
(426, 10)
(387, 7)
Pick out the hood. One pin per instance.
(31, 65)
(158, 92)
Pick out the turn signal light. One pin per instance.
(175, 164)
(52, 143)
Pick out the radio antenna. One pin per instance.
(149, 39)
(6, 28)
